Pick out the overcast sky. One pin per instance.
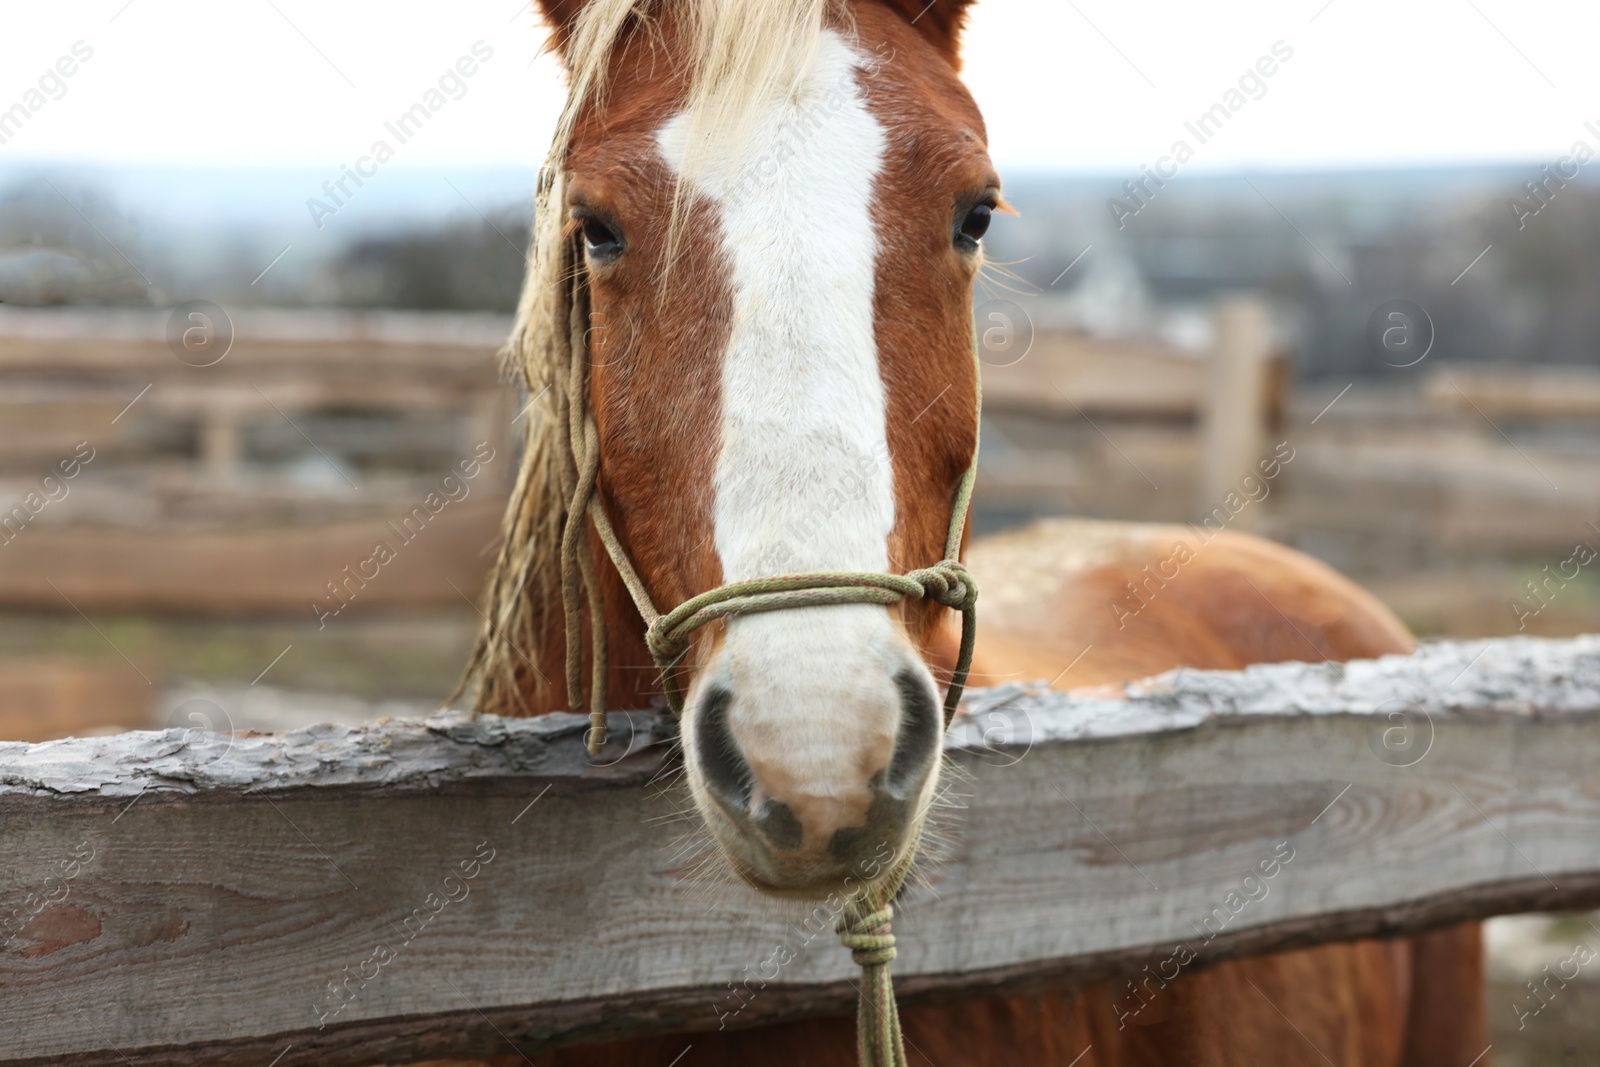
(1084, 85)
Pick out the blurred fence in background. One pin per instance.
(294, 470)
(306, 471)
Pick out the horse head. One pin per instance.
(772, 215)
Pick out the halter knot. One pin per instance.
(867, 936)
(949, 583)
(665, 641)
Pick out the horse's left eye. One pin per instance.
(974, 226)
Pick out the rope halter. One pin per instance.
(864, 925)
(946, 582)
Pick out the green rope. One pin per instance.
(864, 930)
(946, 582)
(864, 927)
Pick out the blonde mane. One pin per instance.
(746, 53)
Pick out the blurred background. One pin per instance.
(256, 259)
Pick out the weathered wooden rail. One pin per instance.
(342, 896)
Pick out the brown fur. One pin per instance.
(1235, 601)
(939, 23)
(924, 337)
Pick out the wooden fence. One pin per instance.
(186, 508)
(404, 889)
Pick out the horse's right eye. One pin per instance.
(599, 239)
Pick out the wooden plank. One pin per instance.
(1532, 393)
(1098, 376)
(1073, 374)
(134, 341)
(281, 570)
(219, 886)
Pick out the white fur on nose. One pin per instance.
(802, 479)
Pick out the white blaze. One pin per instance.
(802, 479)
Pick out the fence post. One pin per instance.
(1232, 435)
(220, 445)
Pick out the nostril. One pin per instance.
(920, 727)
(725, 769)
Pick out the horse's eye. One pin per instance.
(974, 226)
(600, 240)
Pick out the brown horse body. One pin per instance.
(753, 269)
(1049, 593)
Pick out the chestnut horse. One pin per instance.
(773, 211)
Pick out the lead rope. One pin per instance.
(864, 929)
(864, 925)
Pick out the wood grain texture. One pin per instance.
(280, 570)
(193, 897)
